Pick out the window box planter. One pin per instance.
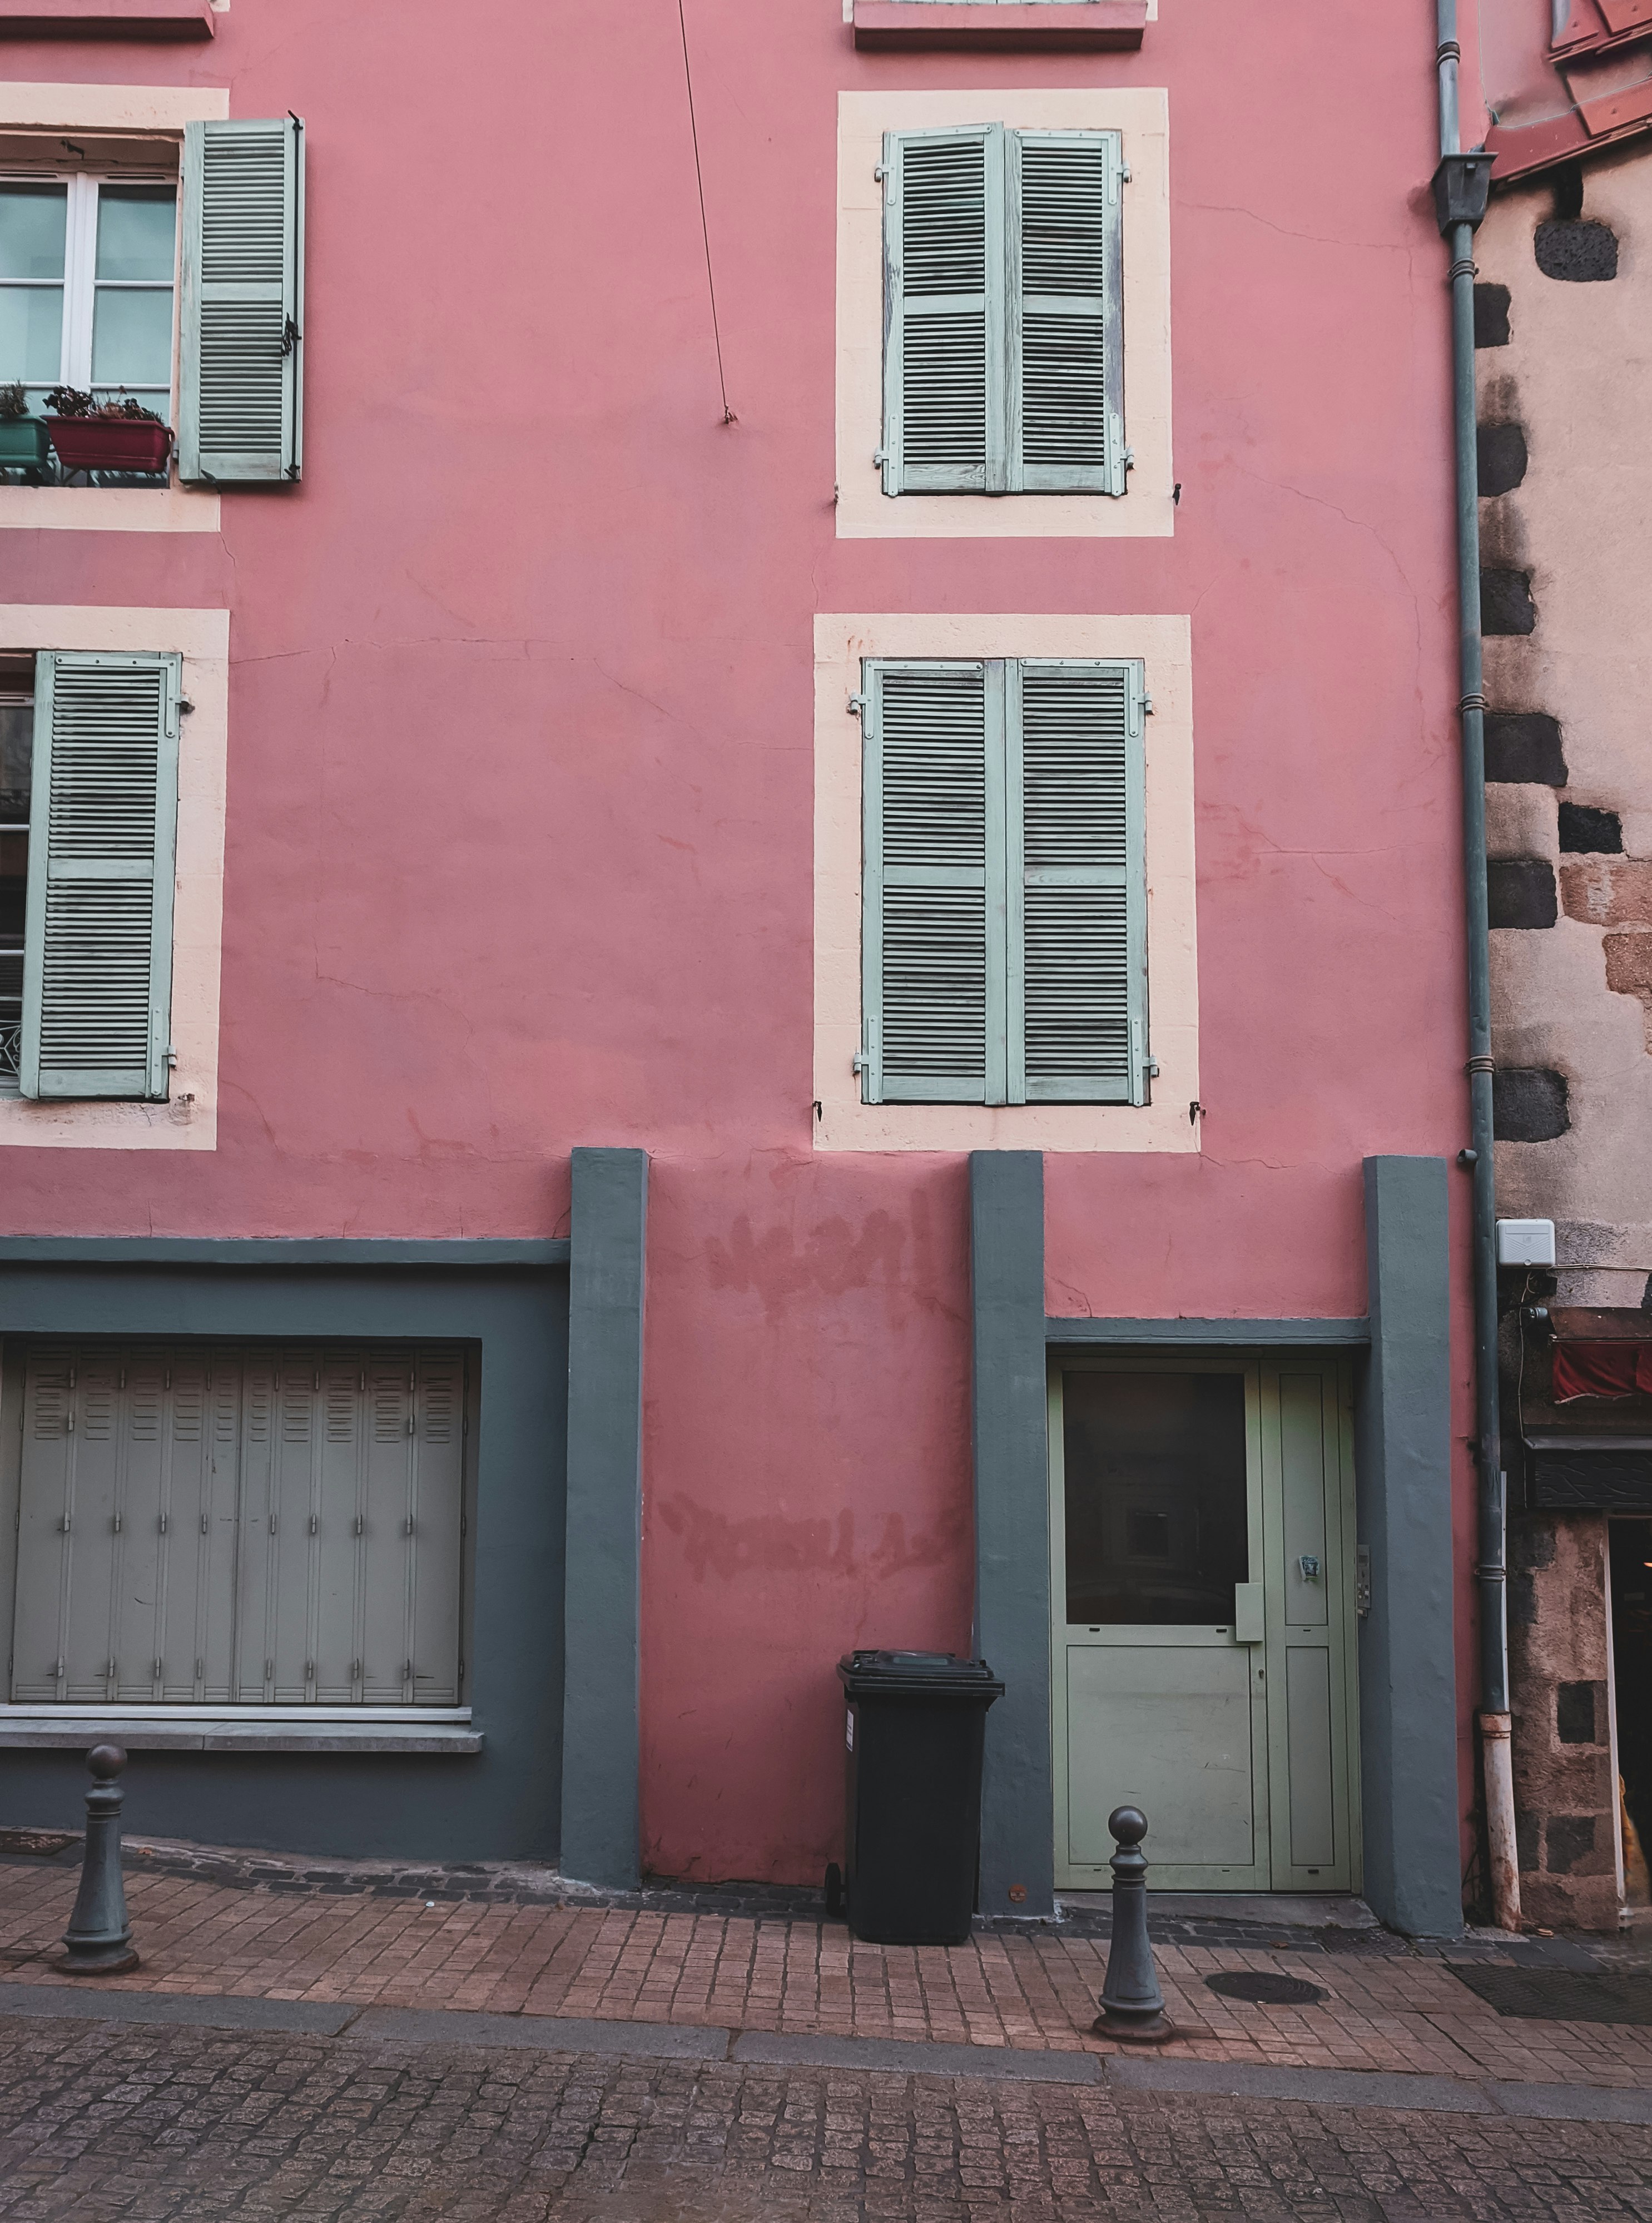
(25, 445)
(110, 443)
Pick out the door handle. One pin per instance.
(1248, 1626)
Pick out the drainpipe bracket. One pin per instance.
(1460, 186)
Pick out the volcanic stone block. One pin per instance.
(1506, 606)
(1500, 456)
(1525, 744)
(1520, 891)
(1491, 316)
(1589, 832)
(1582, 253)
(1529, 1104)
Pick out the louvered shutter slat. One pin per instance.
(932, 938)
(944, 357)
(1081, 965)
(1067, 386)
(240, 420)
(98, 961)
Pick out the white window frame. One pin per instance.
(80, 283)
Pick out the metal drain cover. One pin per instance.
(1264, 1989)
(1559, 1994)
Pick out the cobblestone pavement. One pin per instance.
(165, 2126)
(1392, 2013)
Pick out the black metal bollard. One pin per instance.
(1133, 2006)
(99, 1940)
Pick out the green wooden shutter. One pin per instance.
(945, 358)
(241, 320)
(1066, 386)
(932, 934)
(98, 945)
(1078, 933)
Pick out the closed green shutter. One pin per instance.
(1078, 953)
(1004, 921)
(1067, 378)
(242, 319)
(103, 828)
(944, 271)
(932, 947)
(1003, 312)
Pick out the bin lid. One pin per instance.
(932, 1674)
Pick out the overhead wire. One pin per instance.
(729, 416)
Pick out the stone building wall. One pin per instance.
(1564, 361)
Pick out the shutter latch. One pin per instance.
(290, 336)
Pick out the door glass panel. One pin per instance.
(1157, 1491)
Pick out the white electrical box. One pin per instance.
(1525, 1242)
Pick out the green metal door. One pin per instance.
(1201, 1542)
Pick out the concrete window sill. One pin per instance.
(107, 19)
(1035, 26)
(151, 1729)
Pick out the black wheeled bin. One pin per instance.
(911, 1836)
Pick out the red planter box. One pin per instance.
(110, 443)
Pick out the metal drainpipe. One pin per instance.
(1460, 185)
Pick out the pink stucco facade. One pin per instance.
(520, 819)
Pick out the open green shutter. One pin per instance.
(241, 421)
(932, 937)
(1078, 949)
(945, 359)
(1066, 387)
(102, 830)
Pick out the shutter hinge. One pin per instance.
(1147, 705)
(309, 1671)
(406, 1670)
(206, 1526)
(1129, 459)
(1153, 1068)
(410, 1424)
(172, 1055)
(1123, 173)
(163, 1524)
(408, 1528)
(57, 1675)
(361, 1526)
(880, 457)
(857, 704)
(63, 1526)
(158, 1665)
(461, 1671)
(185, 709)
(272, 1524)
(880, 171)
(354, 1671)
(200, 1670)
(269, 1671)
(859, 1061)
(315, 1525)
(118, 1524)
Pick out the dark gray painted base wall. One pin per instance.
(1408, 1671)
(1011, 1429)
(601, 1689)
(503, 1805)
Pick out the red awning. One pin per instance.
(1602, 1369)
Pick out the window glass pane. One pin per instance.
(33, 223)
(16, 753)
(1157, 1532)
(31, 334)
(134, 231)
(131, 338)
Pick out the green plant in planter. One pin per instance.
(70, 401)
(24, 441)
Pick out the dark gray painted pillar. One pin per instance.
(1408, 1705)
(1006, 1263)
(606, 1275)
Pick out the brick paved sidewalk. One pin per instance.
(1394, 2012)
